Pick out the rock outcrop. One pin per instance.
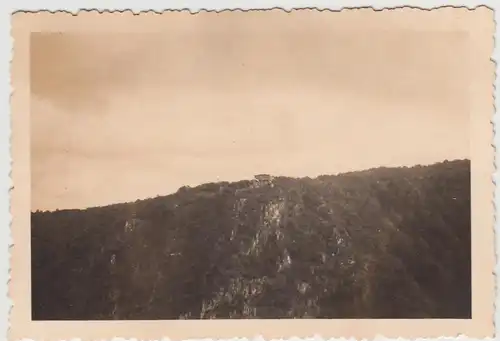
(381, 243)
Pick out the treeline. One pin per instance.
(382, 243)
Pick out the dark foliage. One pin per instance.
(382, 243)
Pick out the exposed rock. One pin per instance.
(391, 243)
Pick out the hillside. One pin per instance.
(381, 243)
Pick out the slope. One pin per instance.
(381, 243)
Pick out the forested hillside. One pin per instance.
(381, 243)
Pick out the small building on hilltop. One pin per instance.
(263, 180)
(263, 177)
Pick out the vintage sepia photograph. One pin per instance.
(263, 165)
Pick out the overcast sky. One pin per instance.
(119, 117)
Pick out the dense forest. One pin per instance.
(380, 243)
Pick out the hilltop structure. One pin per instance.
(263, 177)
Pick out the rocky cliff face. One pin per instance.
(382, 243)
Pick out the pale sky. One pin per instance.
(120, 117)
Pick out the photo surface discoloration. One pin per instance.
(234, 174)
